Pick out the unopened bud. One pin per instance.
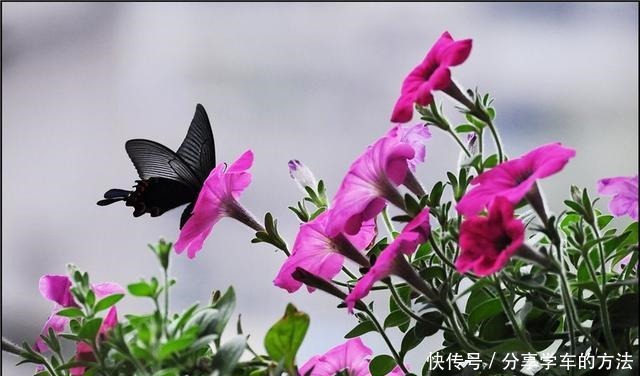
(302, 175)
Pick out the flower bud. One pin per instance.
(302, 175)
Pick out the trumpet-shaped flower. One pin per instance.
(433, 73)
(372, 179)
(515, 178)
(487, 243)
(391, 259)
(218, 198)
(625, 195)
(351, 357)
(57, 288)
(317, 252)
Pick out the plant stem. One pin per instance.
(387, 223)
(11, 348)
(496, 138)
(508, 309)
(604, 311)
(407, 310)
(386, 339)
(166, 301)
(460, 143)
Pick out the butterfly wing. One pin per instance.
(153, 160)
(198, 148)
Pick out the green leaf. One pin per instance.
(409, 341)
(70, 312)
(465, 128)
(360, 329)
(430, 326)
(107, 302)
(228, 355)
(395, 318)
(491, 161)
(225, 306)
(484, 310)
(284, 338)
(89, 329)
(623, 311)
(141, 289)
(381, 365)
(175, 345)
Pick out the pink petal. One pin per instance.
(456, 53)
(107, 288)
(57, 289)
(57, 323)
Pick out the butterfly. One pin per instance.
(168, 179)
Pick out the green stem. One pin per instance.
(496, 138)
(11, 348)
(386, 339)
(407, 310)
(460, 143)
(166, 302)
(508, 309)
(604, 311)
(387, 223)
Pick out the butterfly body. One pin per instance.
(168, 179)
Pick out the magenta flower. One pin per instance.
(487, 243)
(84, 351)
(431, 74)
(320, 254)
(218, 198)
(625, 195)
(352, 357)
(515, 178)
(57, 288)
(391, 259)
(372, 179)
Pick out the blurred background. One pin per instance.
(315, 82)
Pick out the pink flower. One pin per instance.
(391, 259)
(84, 351)
(625, 195)
(515, 178)
(432, 74)
(57, 288)
(217, 199)
(487, 243)
(352, 356)
(372, 179)
(320, 254)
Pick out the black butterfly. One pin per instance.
(168, 179)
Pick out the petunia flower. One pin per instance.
(84, 351)
(321, 254)
(351, 357)
(57, 288)
(302, 175)
(391, 260)
(218, 198)
(515, 178)
(487, 243)
(373, 177)
(625, 195)
(431, 74)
